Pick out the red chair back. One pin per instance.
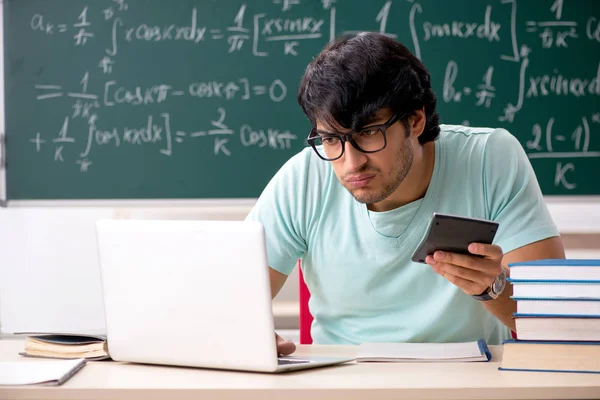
(306, 317)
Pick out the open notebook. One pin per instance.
(39, 372)
(424, 352)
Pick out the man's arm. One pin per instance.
(475, 274)
(277, 280)
(503, 307)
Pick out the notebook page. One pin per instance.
(420, 351)
(38, 372)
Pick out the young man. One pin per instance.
(355, 205)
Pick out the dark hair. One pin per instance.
(355, 76)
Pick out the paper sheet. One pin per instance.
(46, 372)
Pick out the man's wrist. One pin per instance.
(495, 289)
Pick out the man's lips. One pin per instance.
(361, 180)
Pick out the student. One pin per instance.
(356, 202)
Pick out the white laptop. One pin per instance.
(190, 293)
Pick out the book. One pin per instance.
(556, 270)
(558, 327)
(561, 289)
(46, 372)
(523, 355)
(424, 352)
(65, 345)
(557, 306)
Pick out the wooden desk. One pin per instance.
(112, 380)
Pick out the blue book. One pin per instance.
(573, 357)
(473, 351)
(561, 289)
(558, 327)
(556, 270)
(557, 306)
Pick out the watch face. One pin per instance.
(499, 283)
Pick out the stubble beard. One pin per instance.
(401, 169)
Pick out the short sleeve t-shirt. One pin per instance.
(356, 263)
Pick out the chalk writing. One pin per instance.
(546, 141)
(592, 29)
(488, 30)
(558, 84)
(218, 78)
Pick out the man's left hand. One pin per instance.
(470, 273)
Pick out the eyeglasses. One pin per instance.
(370, 139)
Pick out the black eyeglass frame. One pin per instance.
(315, 135)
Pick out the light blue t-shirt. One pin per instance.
(356, 263)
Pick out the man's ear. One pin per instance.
(417, 121)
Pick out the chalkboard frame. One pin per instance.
(3, 202)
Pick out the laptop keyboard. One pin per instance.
(284, 361)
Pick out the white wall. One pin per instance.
(49, 275)
(48, 271)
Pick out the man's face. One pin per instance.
(371, 178)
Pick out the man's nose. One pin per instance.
(353, 159)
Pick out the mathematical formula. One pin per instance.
(284, 30)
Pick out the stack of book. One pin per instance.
(557, 318)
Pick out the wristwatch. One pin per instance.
(494, 290)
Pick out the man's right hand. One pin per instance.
(283, 346)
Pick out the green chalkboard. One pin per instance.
(144, 99)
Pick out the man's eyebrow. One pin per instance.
(373, 122)
(326, 133)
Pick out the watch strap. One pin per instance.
(483, 296)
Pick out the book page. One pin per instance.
(87, 335)
(420, 351)
(38, 372)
